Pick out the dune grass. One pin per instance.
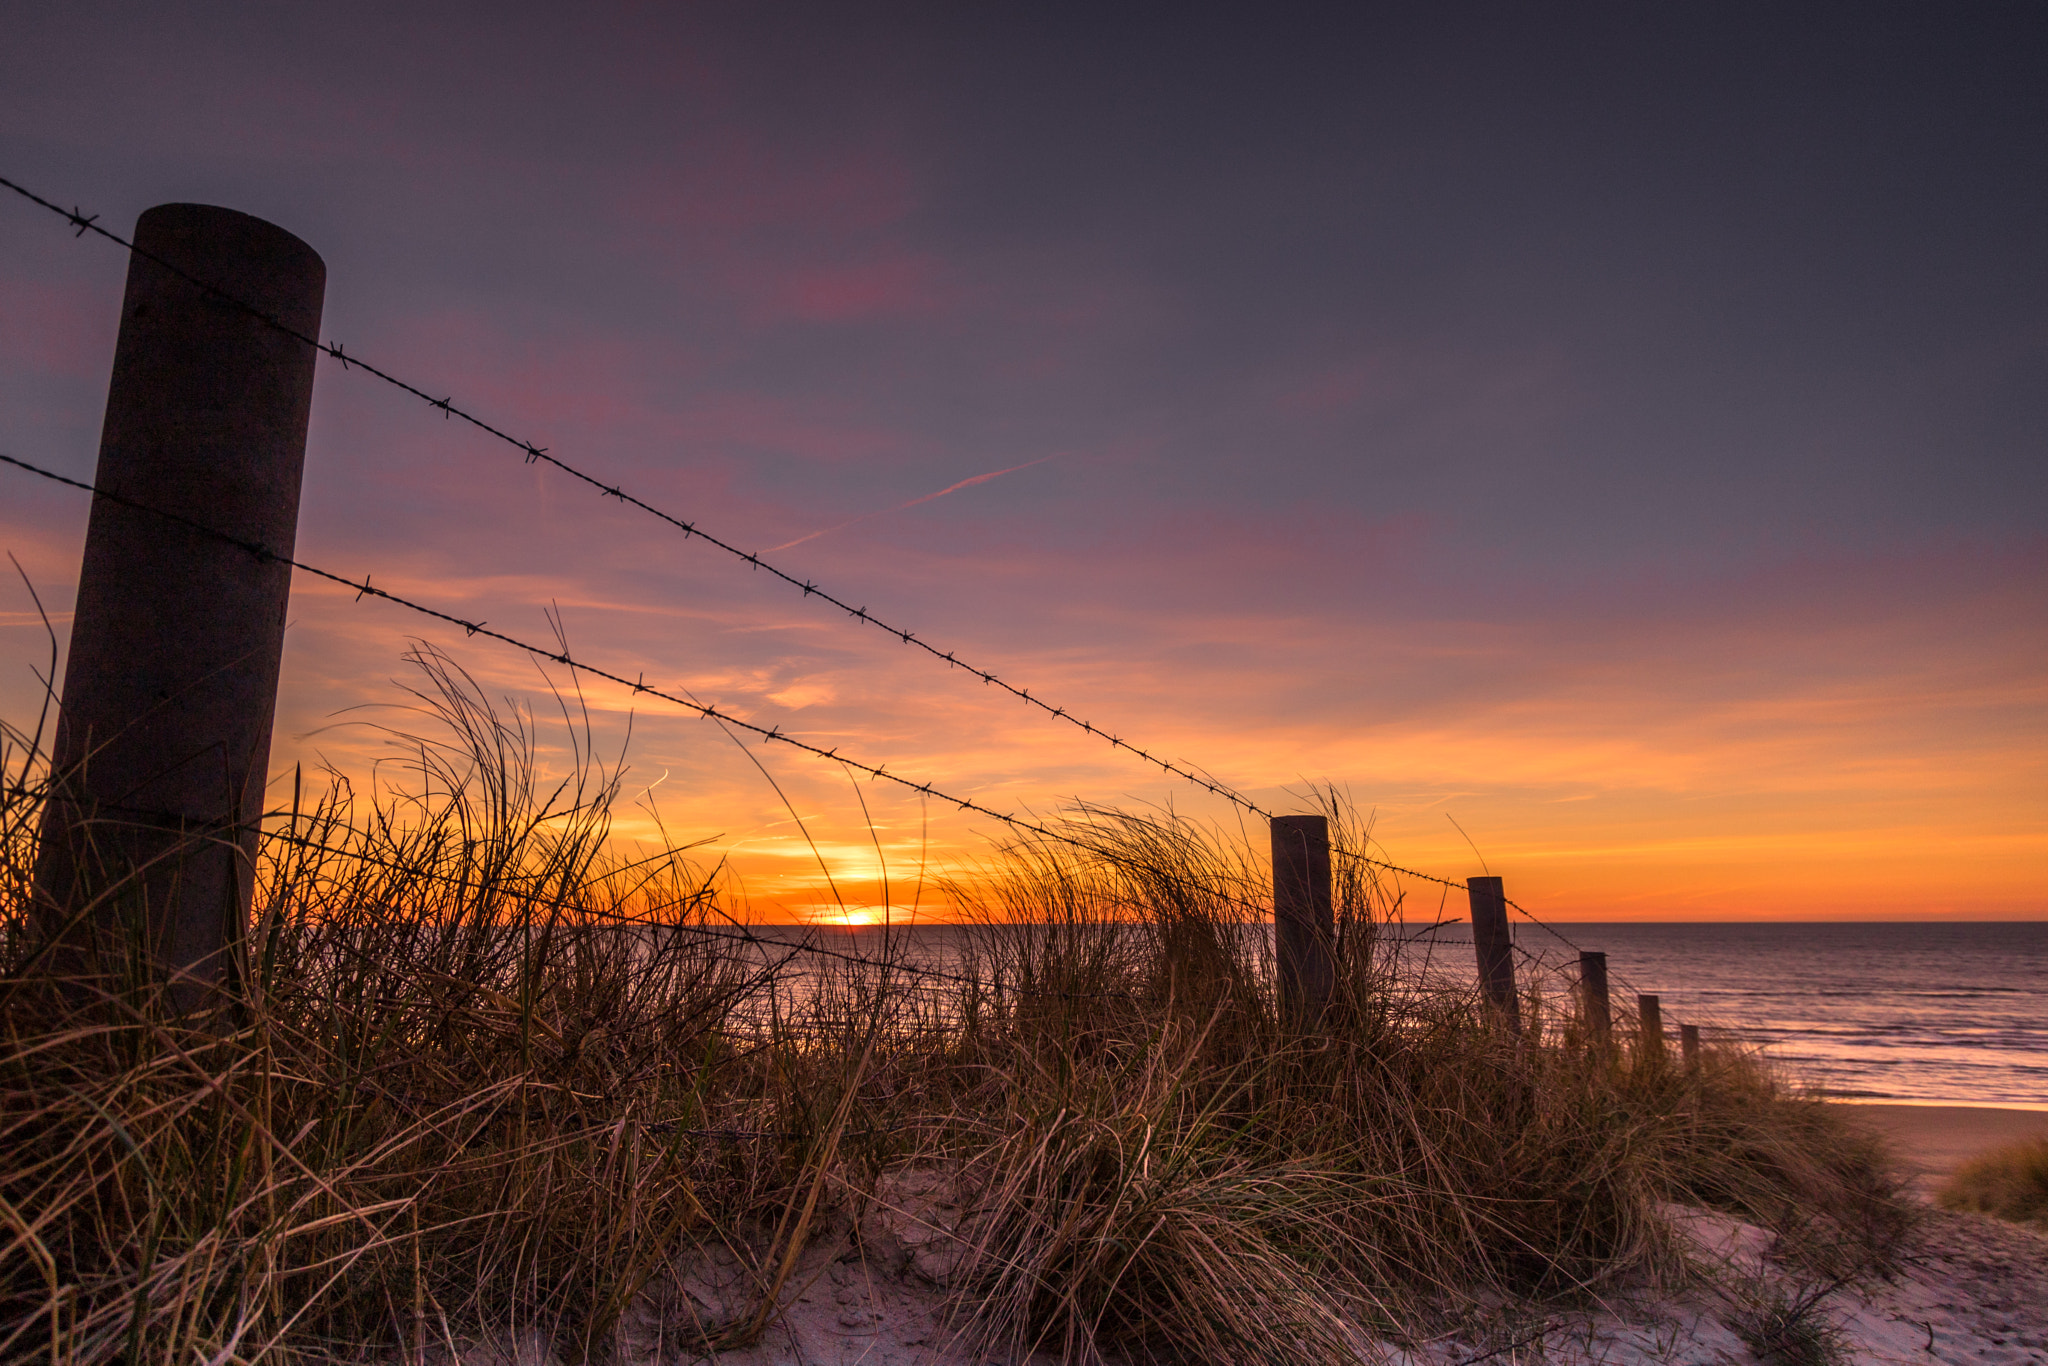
(481, 1073)
(2010, 1182)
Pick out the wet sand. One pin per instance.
(1931, 1141)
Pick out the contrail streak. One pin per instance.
(950, 488)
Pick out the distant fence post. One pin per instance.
(163, 739)
(1593, 999)
(1650, 1041)
(1494, 944)
(1689, 1045)
(1304, 921)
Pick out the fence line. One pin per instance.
(1649, 1042)
(737, 933)
(84, 223)
(366, 588)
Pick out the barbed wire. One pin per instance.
(533, 453)
(449, 409)
(365, 588)
(84, 223)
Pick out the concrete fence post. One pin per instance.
(1594, 1003)
(1304, 921)
(1494, 944)
(163, 739)
(1650, 1039)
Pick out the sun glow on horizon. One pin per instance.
(858, 915)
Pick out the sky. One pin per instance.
(1614, 432)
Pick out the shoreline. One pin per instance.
(2018, 1107)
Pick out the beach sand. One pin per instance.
(1931, 1141)
(1971, 1291)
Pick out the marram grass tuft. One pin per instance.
(2010, 1182)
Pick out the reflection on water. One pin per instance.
(1951, 1012)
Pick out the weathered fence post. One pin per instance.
(1689, 1045)
(1650, 1039)
(1593, 999)
(164, 735)
(1304, 922)
(1494, 944)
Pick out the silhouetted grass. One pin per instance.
(482, 1073)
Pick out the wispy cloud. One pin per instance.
(905, 507)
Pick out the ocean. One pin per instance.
(1920, 1012)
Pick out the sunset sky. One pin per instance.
(1620, 428)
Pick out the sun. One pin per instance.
(849, 917)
